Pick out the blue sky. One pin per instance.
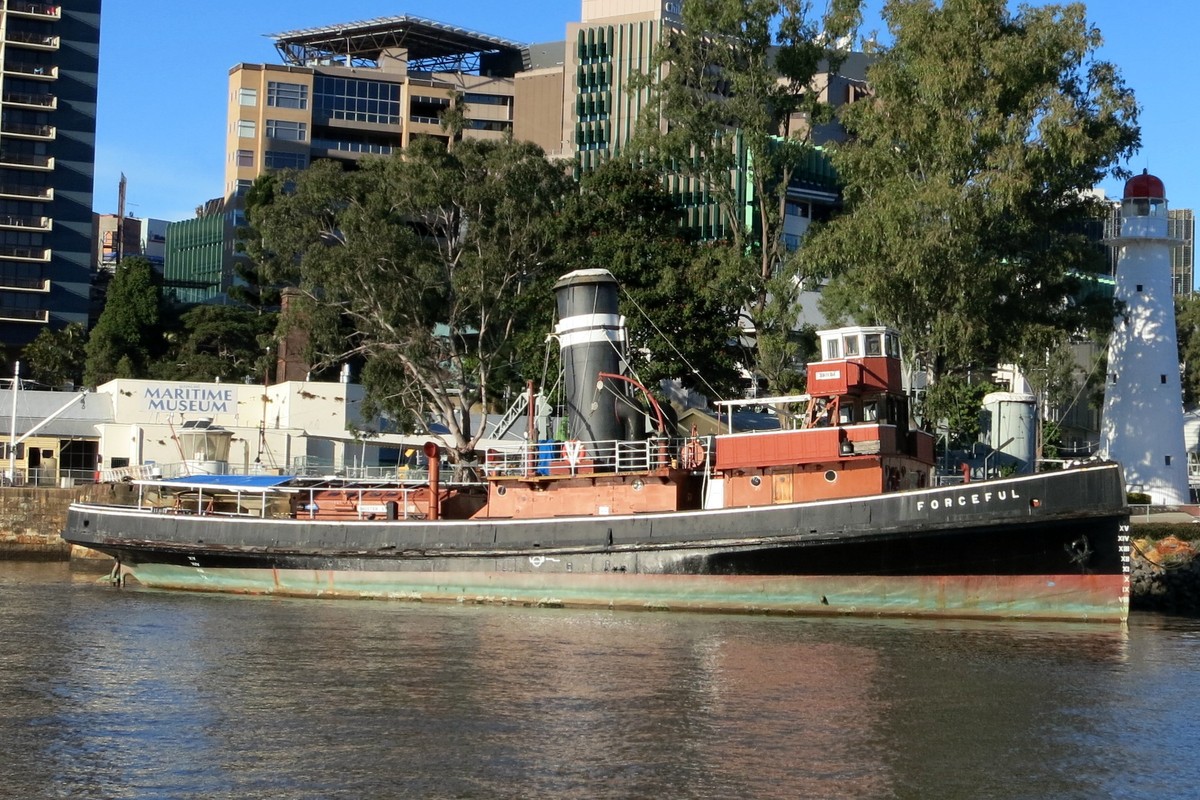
(164, 67)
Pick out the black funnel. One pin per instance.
(591, 336)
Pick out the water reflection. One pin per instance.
(120, 693)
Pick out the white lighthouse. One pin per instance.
(1142, 424)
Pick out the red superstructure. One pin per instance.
(848, 437)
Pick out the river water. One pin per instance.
(129, 693)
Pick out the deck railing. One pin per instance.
(573, 457)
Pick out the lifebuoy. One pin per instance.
(692, 455)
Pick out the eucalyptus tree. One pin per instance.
(1187, 337)
(57, 357)
(128, 336)
(737, 92)
(966, 183)
(414, 265)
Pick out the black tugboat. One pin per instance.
(832, 512)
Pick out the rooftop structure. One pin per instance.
(431, 46)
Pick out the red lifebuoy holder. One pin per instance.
(574, 452)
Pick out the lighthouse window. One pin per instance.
(1168, 458)
(1162, 378)
(1139, 287)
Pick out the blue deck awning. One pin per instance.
(237, 483)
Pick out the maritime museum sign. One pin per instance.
(196, 398)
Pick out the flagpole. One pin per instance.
(12, 427)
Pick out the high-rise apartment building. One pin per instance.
(48, 62)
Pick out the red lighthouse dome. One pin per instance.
(1144, 186)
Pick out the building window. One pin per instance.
(488, 125)
(352, 146)
(287, 95)
(275, 159)
(795, 208)
(356, 100)
(287, 130)
(243, 186)
(477, 99)
(245, 128)
(245, 158)
(247, 97)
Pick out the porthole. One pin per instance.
(756, 481)
(638, 484)
(830, 476)
(502, 490)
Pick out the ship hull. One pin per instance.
(1048, 546)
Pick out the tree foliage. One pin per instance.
(958, 400)
(415, 264)
(1187, 332)
(965, 182)
(127, 337)
(229, 343)
(740, 84)
(56, 357)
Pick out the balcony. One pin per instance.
(46, 72)
(26, 161)
(42, 102)
(23, 8)
(34, 41)
(15, 284)
(18, 191)
(25, 130)
(24, 252)
(25, 223)
(11, 314)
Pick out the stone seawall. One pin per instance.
(32, 519)
(1165, 574)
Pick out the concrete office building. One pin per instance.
(115, 238)
(48, 66)
(369, 88)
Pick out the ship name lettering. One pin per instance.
(962, 500)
